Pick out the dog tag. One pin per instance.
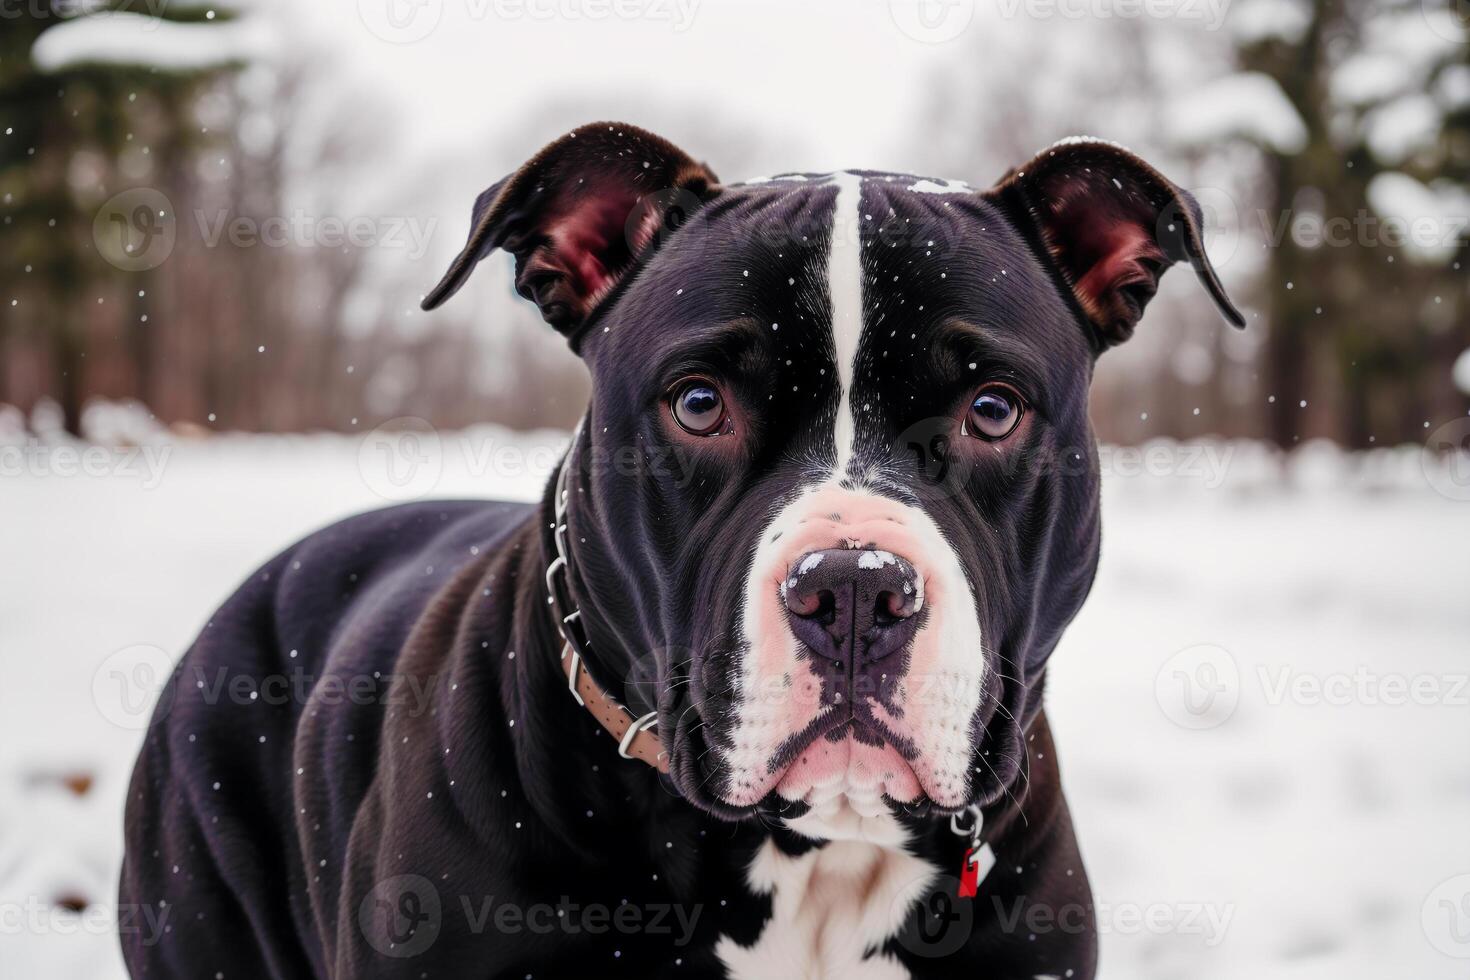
(979, 859)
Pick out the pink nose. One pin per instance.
(852, 606)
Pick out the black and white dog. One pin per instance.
(756, 690)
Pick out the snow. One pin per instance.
(1371, 76)
(1267, 20)
(1398, 129)
(1453, 86)
(1291, 836)
(136, 39)
(1431, 219)
(1461, 371)
(1395, 53)
(927, 186)
(1418, 34)
(1248, 105)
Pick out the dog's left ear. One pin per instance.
(579, 217)
(1112, 224)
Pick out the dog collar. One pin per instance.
(635, 736)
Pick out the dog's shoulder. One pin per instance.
(384, 565)
(336, 608)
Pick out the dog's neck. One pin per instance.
(635, 734)
(568, 764)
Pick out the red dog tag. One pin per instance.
(970, 873)
(979, 859)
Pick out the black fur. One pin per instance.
(279, 831)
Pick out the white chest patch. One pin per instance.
(831, 907)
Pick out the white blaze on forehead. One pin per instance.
(845, 289)
(926, 186)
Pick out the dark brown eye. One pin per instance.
(995, 412)
(698, 407)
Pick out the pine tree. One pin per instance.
(1361, 329)
(63, 135)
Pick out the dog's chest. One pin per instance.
(829, 908)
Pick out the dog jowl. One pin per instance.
(865, 509)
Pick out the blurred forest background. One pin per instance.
(134, 136)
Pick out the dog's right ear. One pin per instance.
(580, 216)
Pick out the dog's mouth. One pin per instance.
(853, 757)
(839, 756)
(764, 731)
(851, 760)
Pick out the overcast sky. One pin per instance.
(463, 91)
(830, 80)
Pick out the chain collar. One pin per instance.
(636, 737)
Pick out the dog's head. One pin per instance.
(836, 495)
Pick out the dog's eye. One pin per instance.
(698, 407)
(995, 412)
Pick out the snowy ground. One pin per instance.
(1264, 728)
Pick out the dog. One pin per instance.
(756, 689)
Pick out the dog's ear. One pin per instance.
(1112, 224)
(580, 216)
